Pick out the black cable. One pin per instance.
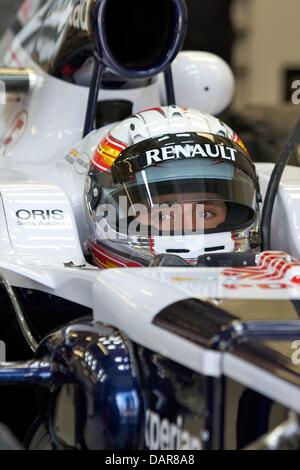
(273, 186)
(169, 84)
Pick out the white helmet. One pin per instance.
(170, 180)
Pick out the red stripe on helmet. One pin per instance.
(105, 259)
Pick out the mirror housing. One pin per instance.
(17, 80)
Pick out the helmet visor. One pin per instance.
(184, 197)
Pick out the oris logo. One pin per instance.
(40, 215)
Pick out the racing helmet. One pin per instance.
(170, 180)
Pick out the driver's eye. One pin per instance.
(208, 215)
(203, 214)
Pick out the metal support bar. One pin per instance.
(170, 92)
(17, 80)
(266, 330)
(28, 335)
(99, 68)
(42, 373)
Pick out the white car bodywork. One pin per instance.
(42, 227)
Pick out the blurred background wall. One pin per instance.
(8, 10)
(266, 53)
(259, 38)
(210, 27)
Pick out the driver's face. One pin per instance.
(189, 211)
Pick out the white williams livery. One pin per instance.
(165, 341)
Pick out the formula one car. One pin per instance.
(162, 357)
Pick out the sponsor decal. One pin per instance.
(161, 434)
(40, 217)
(180, 152)
(79, 161)
(78, 16)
